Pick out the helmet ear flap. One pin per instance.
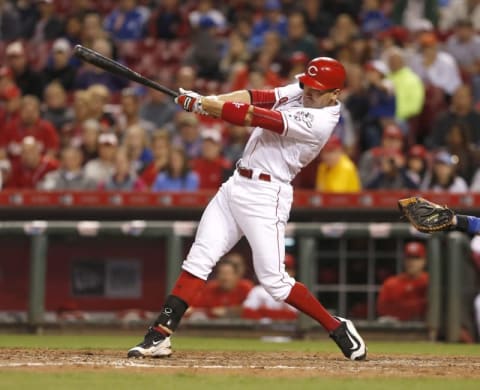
(301, 85)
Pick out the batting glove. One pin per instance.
(190, 101)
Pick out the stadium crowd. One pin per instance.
(410, 117)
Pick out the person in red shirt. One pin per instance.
(12, 97)
(30, 169)
(404, 296)
(160, 149)
(28, 123)
(223, 296)
(211, 167)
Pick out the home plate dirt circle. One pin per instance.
(272, 364)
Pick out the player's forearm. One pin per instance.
(242, 96)
(467, 223)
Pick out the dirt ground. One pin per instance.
(269, 364)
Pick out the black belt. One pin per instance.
(248, 173)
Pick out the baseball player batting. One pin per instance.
(291, 125)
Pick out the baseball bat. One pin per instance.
(95, 58)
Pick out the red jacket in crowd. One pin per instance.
(211, 172)
(403, 297)
(27, 178)
(212, 296)
(14, 132)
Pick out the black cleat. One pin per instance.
(154, 344)
(349, 341)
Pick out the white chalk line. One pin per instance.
(146, 365)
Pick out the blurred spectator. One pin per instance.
(444, 176)
(31, 167)
(160, 148)
(393, 173)
(73, 29)
(70, 176)
(409, 89)
(88, 140)
(92, 29)
(125, 21)
(185, 78)
(205, 51)
(98, 99)
(336, 172)
(12, 98)
(177, 176)
(236, 56)
(123, 177)
(29, 81)
(9, 22)
(372, 18)
(404, 296)
(205, 9)
(454, 10)
(459, 145)
(412, 13)
(317, 18)
(187, 134)
(158, 109)
(475, 186)
(223, 296)
(211, 167)
(101, 169)
(342, 31)
(380, 95)
(89, 74)
(71, 133)
(298, 39)
(28, 123)
(273, 20)
(464, 46)
(49, 26)
(236, 141)
(56, 109)
(59, 69)
(417, 166)
(259, 304)
(137, 148)
(167, 21)
(461, 111)
(27, 17)
(238, 260)
(434, 66)
(371, 161)
(130, 113)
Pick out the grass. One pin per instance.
(128, 381)
(56, 378)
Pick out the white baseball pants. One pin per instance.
(254, 208)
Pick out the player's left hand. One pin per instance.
(190, 101)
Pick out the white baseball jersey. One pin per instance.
(306, 132)
(258, 209)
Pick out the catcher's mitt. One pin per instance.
(426, 216)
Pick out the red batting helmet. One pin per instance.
(323, 73)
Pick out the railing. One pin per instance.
(316, 245)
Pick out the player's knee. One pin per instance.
(278, 291)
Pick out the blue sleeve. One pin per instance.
(473, 225)
(158, 185)
(191, 182)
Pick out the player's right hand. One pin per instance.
(190, 101)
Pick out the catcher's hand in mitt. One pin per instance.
(426, 216)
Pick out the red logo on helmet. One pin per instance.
(312, 70)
